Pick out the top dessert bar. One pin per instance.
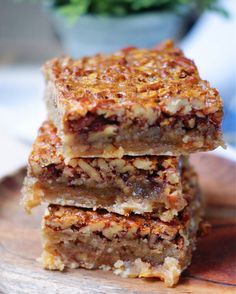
(133, 102)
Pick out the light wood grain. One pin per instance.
(212, 270)
(217, 177)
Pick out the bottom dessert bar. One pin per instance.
(131, 246)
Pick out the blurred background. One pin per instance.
(33, 31)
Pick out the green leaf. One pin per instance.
(75, 8)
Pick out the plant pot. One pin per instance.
(92, 34)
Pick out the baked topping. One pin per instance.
(110, 225)
(47, 162)
(138, 83)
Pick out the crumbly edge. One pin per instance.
(35, 192)
(46, 153)
(165, 203)
(99, 171)
(185, 145)
(62, 218)
(64, 113)
(46, 169)
(169, 271)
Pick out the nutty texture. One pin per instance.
(111, 225)
(160, 78)
(133, 246)
(147, 184)
(47, 161)
(129, 103)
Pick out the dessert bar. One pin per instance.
(133, 102)
(131, 246)
(145, 184)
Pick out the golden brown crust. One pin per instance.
(162, 79)
(133, 246)
(47, 150)
(133, 102)
(63, 217)
(47, 161)
(147, 184)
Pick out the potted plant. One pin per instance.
(86, 27)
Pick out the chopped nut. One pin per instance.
(97, 226)
(149, 114)
(89, 170)
(113, 230)
(144, 164)
(106, 133)
(187, 139)
(191, 123)
(103, 165)
(121, 166)
(177, 104)
(173, 178)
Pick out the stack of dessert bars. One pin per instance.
(111, 161)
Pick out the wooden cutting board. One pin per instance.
(213, 268)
